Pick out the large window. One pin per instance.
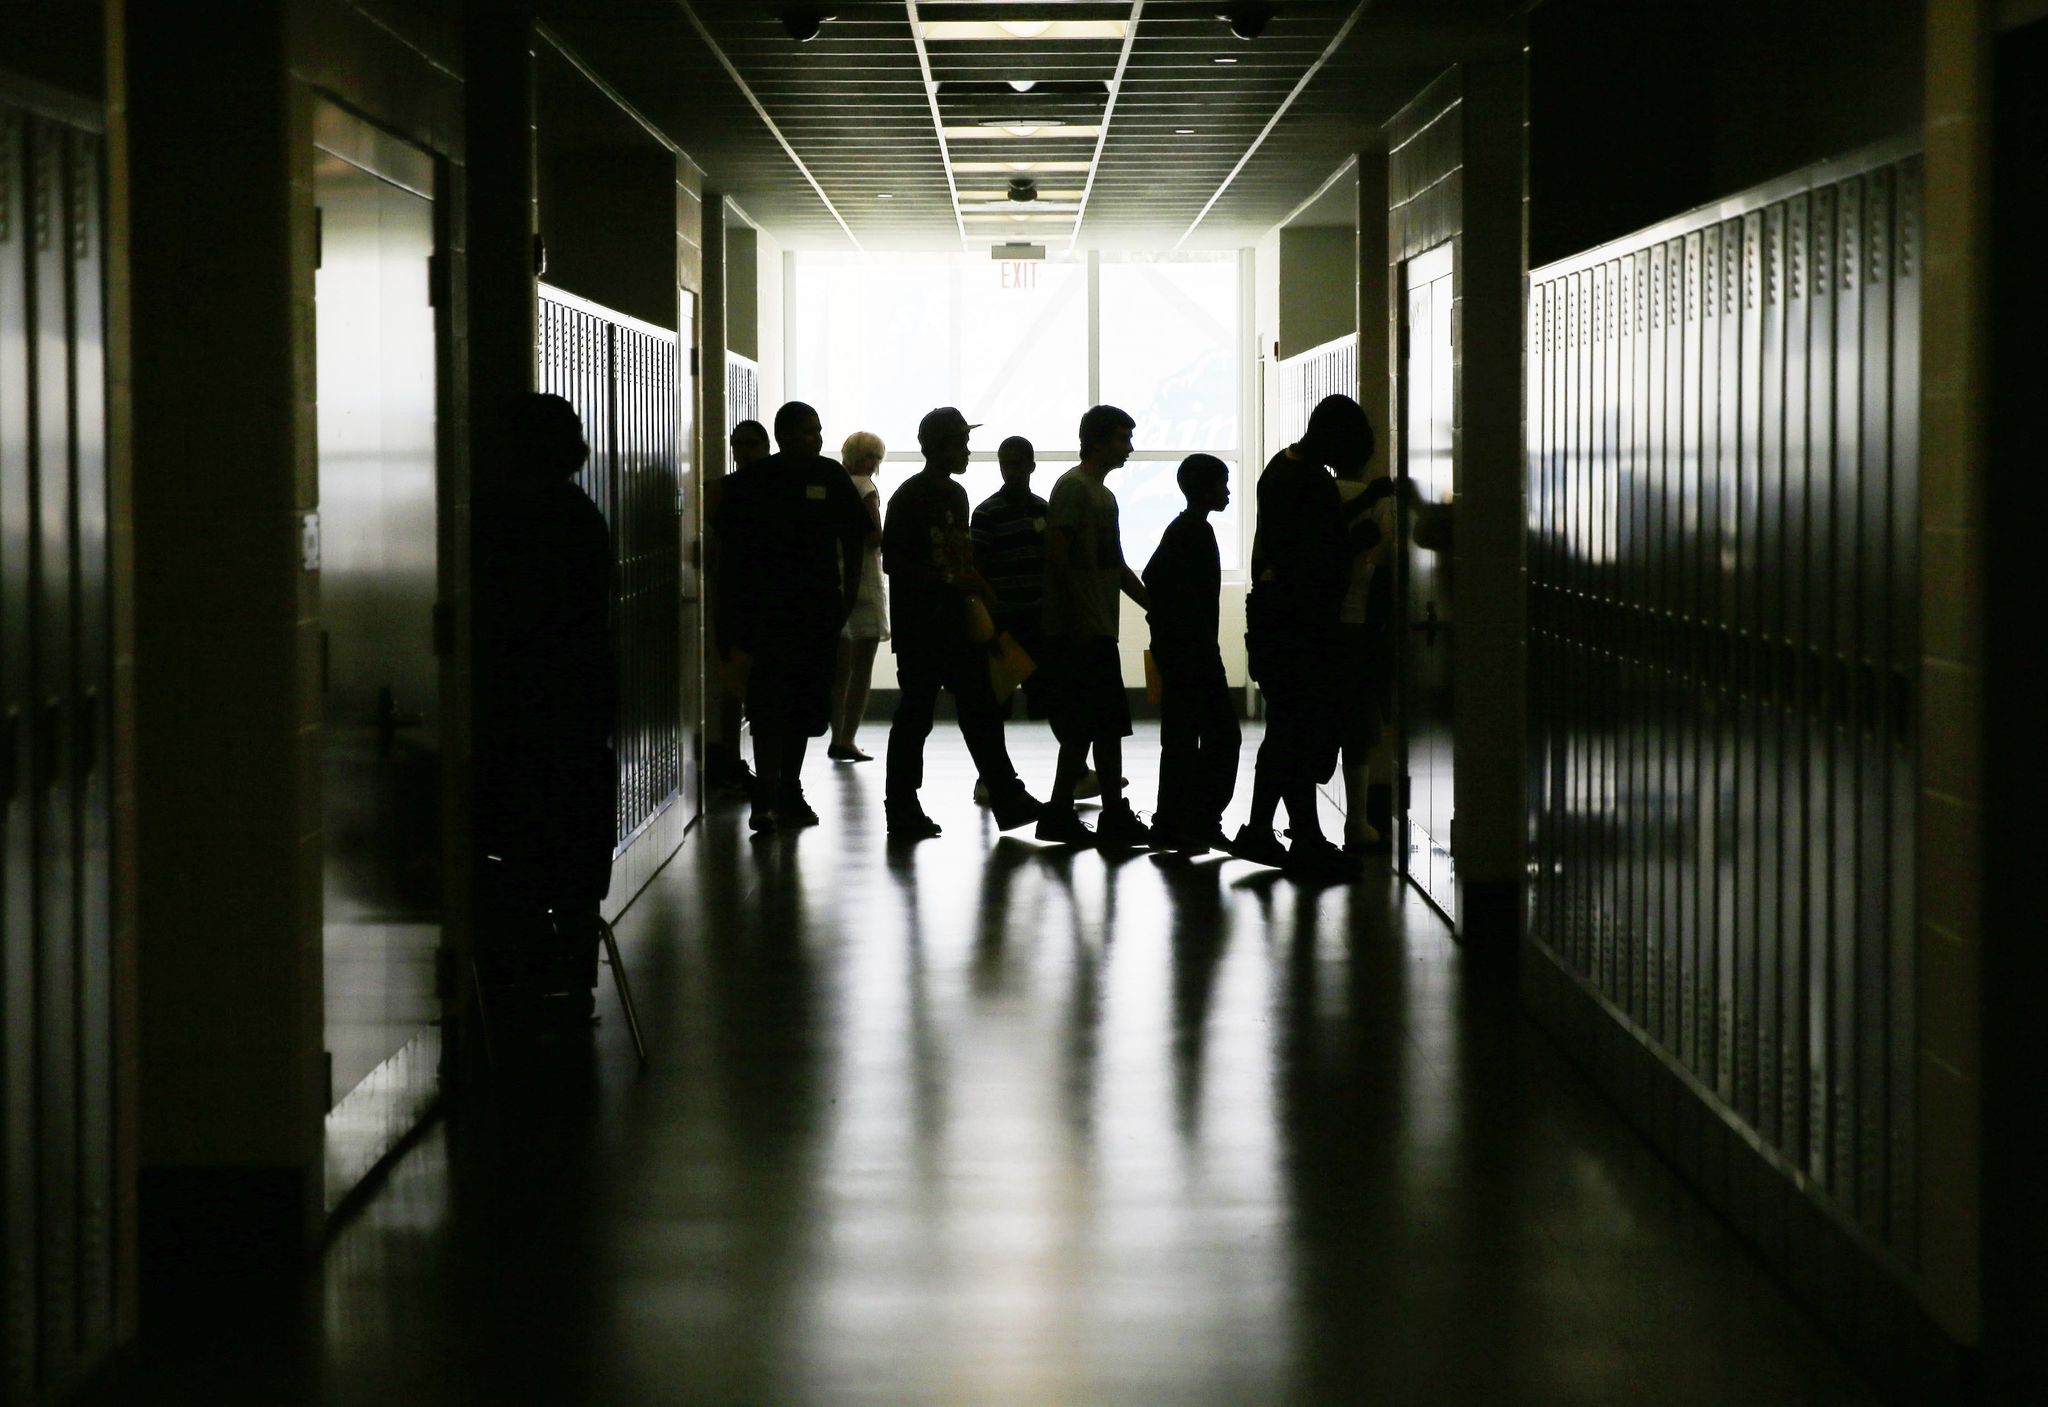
(877, 340)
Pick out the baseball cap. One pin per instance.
(946, 420)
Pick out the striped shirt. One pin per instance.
(1008, 529)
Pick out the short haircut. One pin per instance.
(1198, 469)
(1015, 444)
(749, 427)
(1338, 433)
(787, 419)
(1099, 422)
(861, 445)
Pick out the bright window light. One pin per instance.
(1016, 30)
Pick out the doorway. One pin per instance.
(1424, 575)
(378, 560)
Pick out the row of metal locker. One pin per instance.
(56, 983)
(1723, 517)
(620, 374)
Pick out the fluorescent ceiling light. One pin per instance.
(1019, 219)
(984, 168)
(1020, 132)
(1007, 206)
(1016, 30)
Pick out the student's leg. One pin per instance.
(853, 704)
(842, 674)
(917, 680)
(981, 720)
(1180, 749)
(769, 738)
(1222, 740)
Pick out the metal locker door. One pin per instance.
(18, 1277)
(1904, 662)
(1767, 591)
(1632, 683)
(1754, 800)
(1795, 1000)
(1817, 676)
(1668, 854)
(691, 625)
(92, 690)
(55, 799)
(1871, 668)
(1844, 522)
(1699, 299)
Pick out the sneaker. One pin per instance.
(981, 793)
(1185, 841)
(1016, 809)
(795, 811)
(848, 754)
(1260, 847)
(1314, 859)
(1366, 840)
(1120, 826)
(910, 823)
(762, 821)
(1062, 827)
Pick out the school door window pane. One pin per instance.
(1169, 351)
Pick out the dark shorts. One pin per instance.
(1084, 690)
(789, 686)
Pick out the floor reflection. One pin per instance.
(980, 1121)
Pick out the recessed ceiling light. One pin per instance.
(885, 195)
(1184, 131)
(1021, 85)
(1015, 30)
(1223, 61)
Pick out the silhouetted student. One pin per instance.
(724, 767)
(1085, 569)
(925, 551)
(546, 683)
(791, 528)
(1301, 562)
(1199, 738)
(1008, 530)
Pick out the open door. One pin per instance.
(1428, 794)
(379, 673)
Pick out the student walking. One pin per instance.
(868, 626)
(1199, 737)
(1085, 570)
(926, 553)
(791, 529)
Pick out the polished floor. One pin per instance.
(979, 1121)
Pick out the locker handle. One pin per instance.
(88, 732)
(10, 754)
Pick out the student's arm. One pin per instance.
(903, 555)
(1134, 587)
